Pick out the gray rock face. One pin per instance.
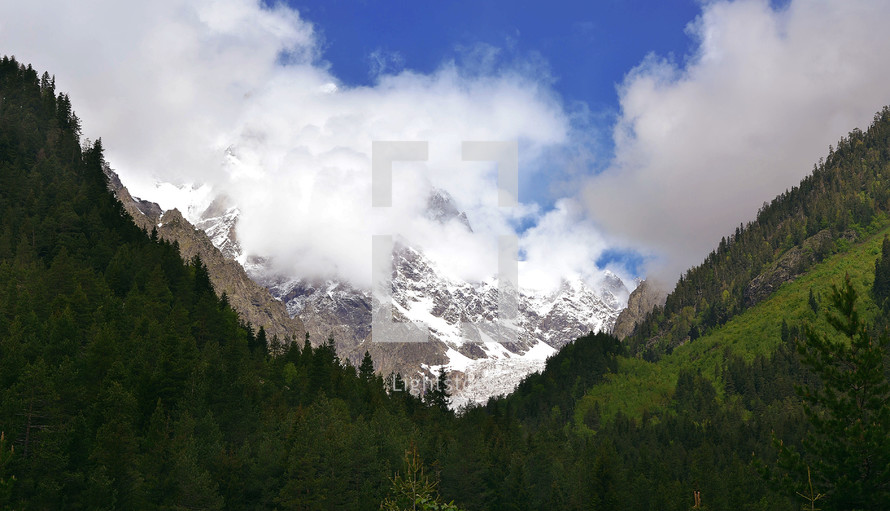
(792, 263)
(145, 214)
(252, 301)
(441, 208)
(784, 270)
(641, 301)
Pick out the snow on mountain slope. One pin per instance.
(218, 220)
(420, 293)
(479, 366)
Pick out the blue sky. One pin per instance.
(589, 46)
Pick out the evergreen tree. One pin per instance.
(414, 490)
(881, 287)
(366, 369)
(276, 347)
(307, 348)
(846, 454)
(440, 396)
(261, 342)
(814, 305)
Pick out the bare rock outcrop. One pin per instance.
(252, 301)
(792, 263)
(642, 300)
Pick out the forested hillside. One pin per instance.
(846, 198)
(126, 383)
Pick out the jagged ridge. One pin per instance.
(251, 300)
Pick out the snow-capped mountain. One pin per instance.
(218, 221)
(479, 365)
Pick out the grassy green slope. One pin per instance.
(639, 386)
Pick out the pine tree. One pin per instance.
(276, 347)
(440, 396)
(261, 341)
(846, 454)
(366, 369)
(881, 287)
(202, 276)
(814, 305)
(307, 348)
(414, 490)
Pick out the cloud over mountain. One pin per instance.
(236, 97)
(701, 144)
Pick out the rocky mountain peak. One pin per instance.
(173, 218)
(219, 221)
(440, 207)
(642, 300)
(251, 300)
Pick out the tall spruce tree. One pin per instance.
(366, 369)
(414, 490)
(881, 287)
(440, 396)
(846, 454)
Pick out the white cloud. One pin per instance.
(701, 145)
(235, 96)
(563, 244)
(308, 188)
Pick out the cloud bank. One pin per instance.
(236, 97)
(699, 146)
